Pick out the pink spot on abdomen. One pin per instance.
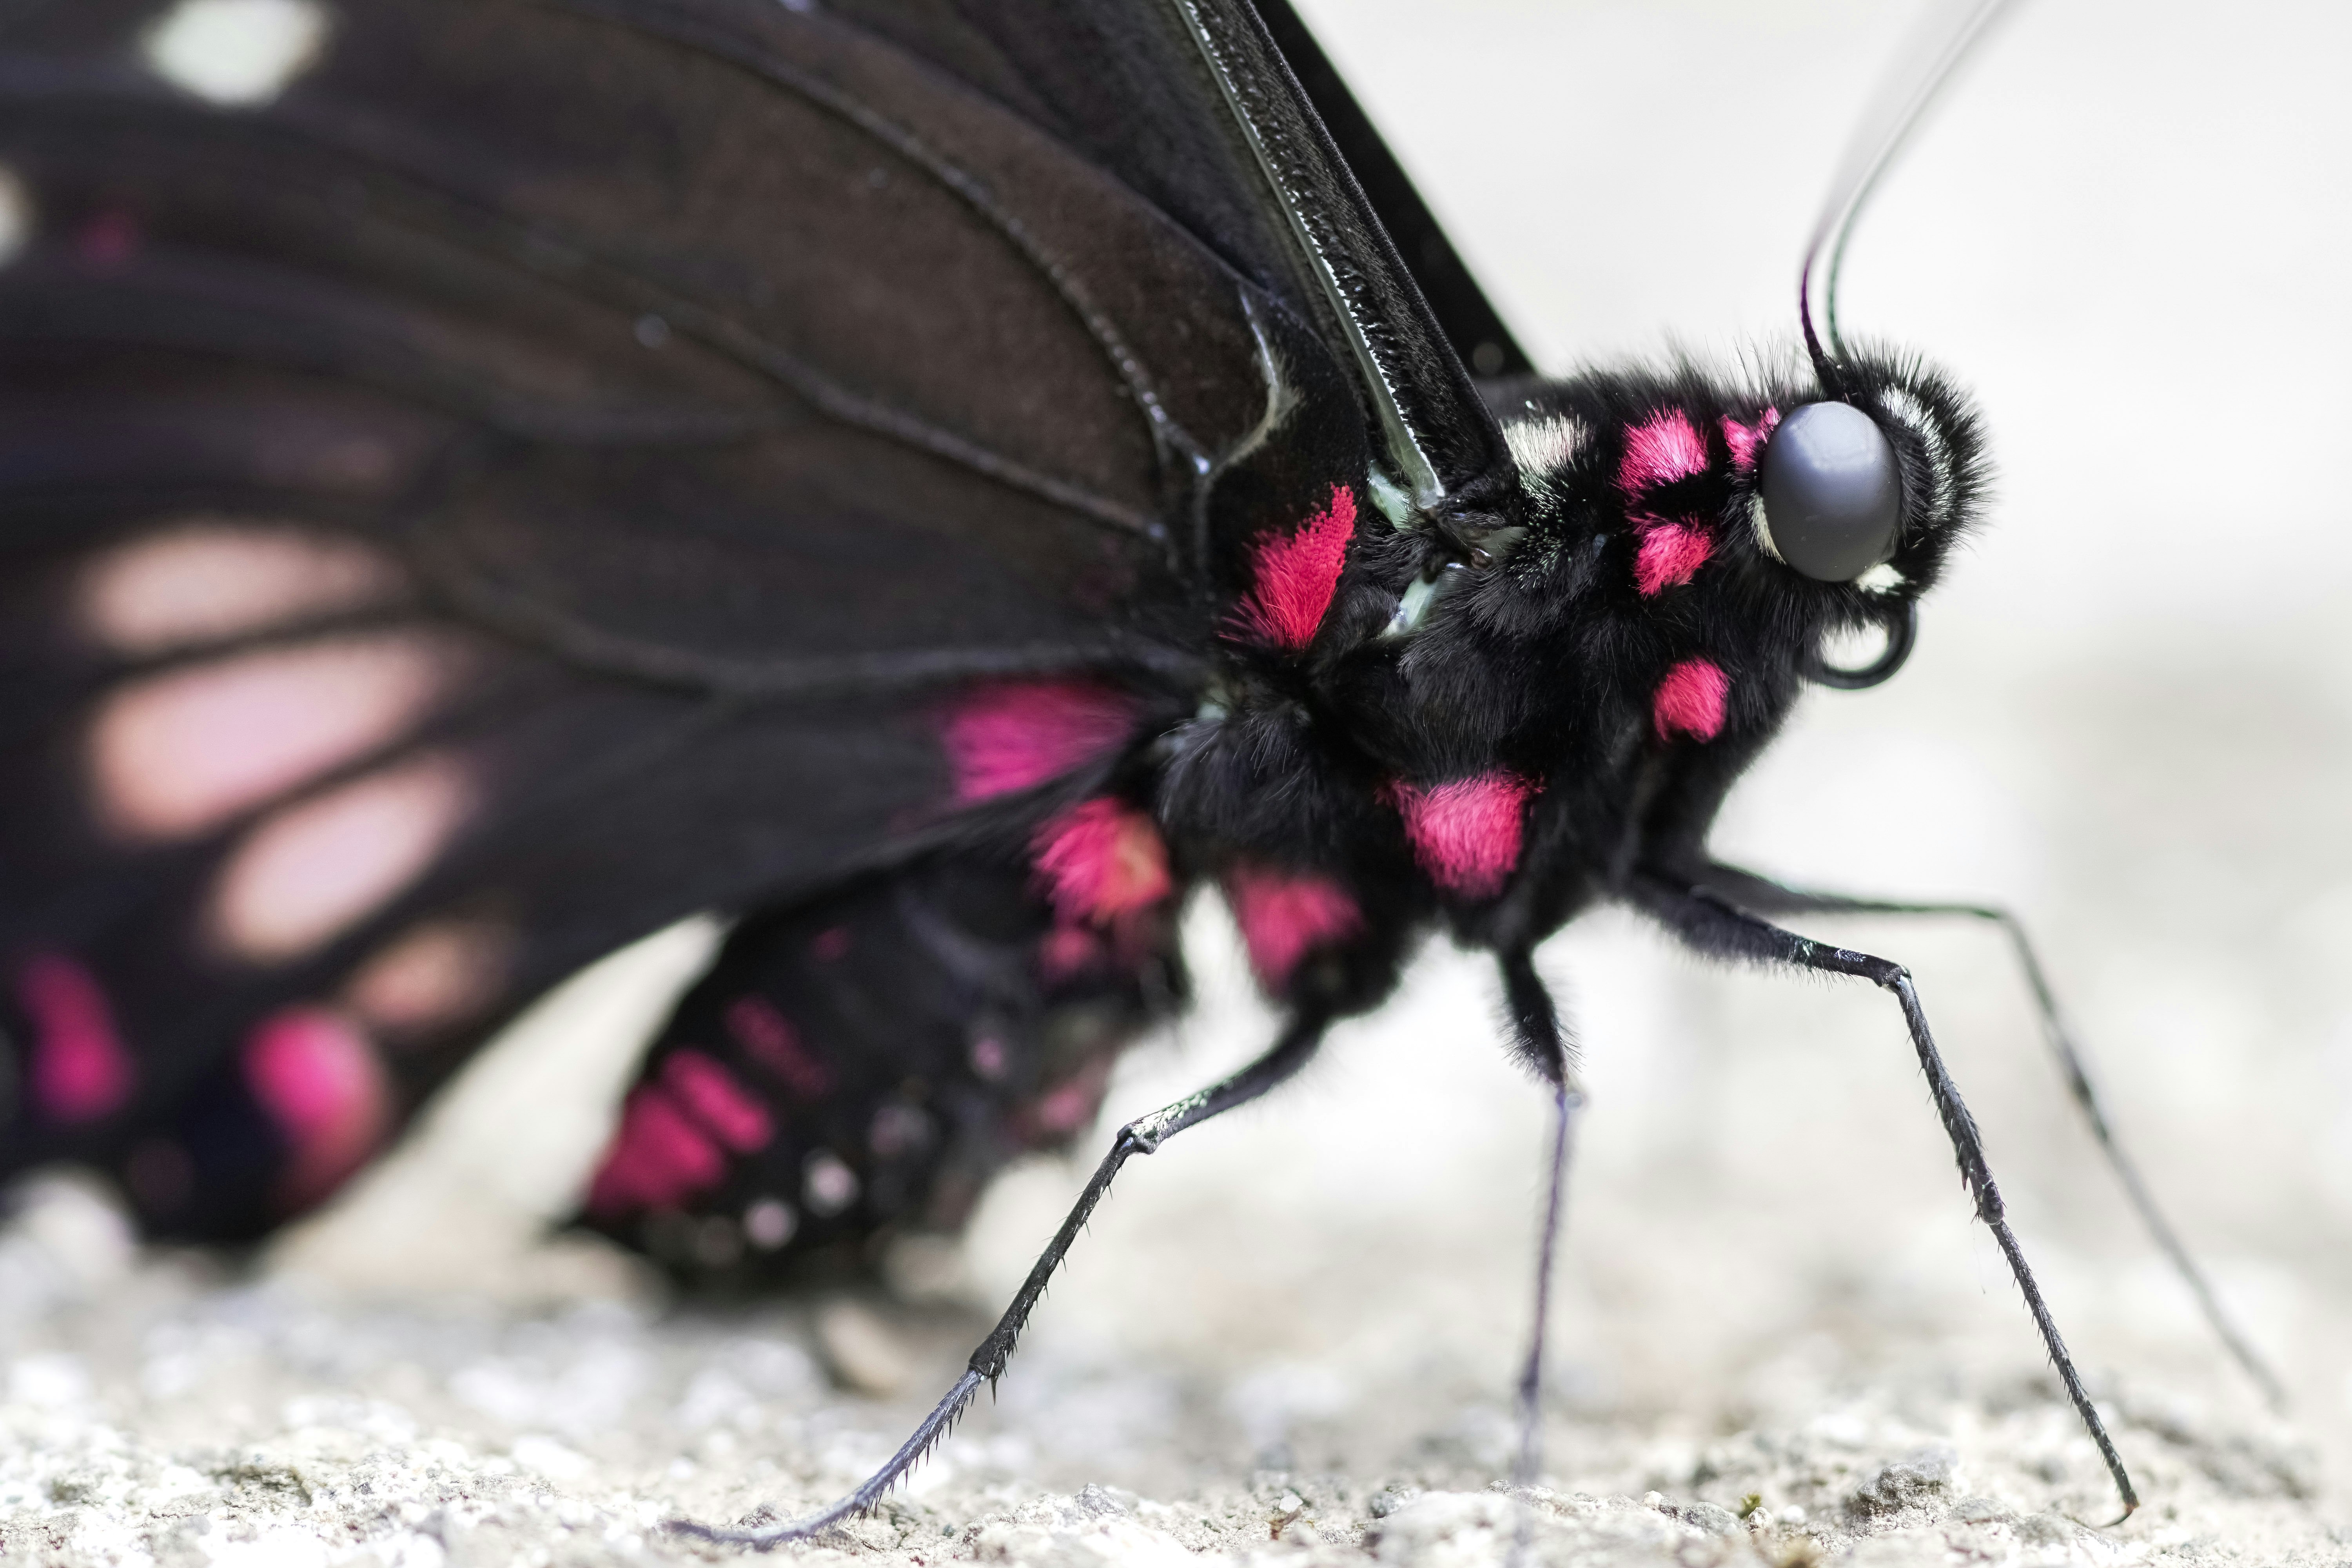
(1666, 449)
(1100, 860)
(658, 1158)
(706, 1090)
(769, 1039)
(1747, 440)
(1466, 834)
(320, 1081)
(1293, 577)
(831, 945)
(1670, 555)
(1690, 700)
(1001, 739)
(79, 1070)
(1284, 917)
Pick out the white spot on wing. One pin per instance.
(310, 871)
(209, 579)
(183, 751)
(239, 54)
(16, 215)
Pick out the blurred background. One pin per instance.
(2130, 718)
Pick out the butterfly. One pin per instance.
(940, 485)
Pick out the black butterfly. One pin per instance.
(935, 480)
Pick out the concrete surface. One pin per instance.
(1290, 1337)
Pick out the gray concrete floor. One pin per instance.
(2130, 716)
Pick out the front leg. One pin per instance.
(1761, 895)
(1713, 924)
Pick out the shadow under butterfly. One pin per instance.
(938, 487)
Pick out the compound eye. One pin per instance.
(1833, 493)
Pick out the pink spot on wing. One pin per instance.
(109, 238)
(1466, 834)
(1670, 555)
(1293, 576)
(769, 1039)
(1100, 860)
(1690, 700)
(1015, 736)
(1747, 440)
(1666, 449)
(80, 1069)
(658, 1158)
(710, 1091)
(320, 1080)
(1284, 917)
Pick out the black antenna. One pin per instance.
(1937, 45)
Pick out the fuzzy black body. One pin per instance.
(893, 474)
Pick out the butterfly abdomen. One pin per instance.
(860, 1065)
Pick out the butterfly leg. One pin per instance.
(1539, 1039)
(1713, 923)
(1764, 896)
(1143, 1136)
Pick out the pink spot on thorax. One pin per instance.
(1284, 917)
(1294, 576)
(1466, 834)
(320, 1080)
(1666, 449)
(1070, 1105)
(706, 1090)
(769, 1039)
(658, 1158)
(80, 1069)
(1690, 700)
(1101, 861)
(1015, 736)
(1747, 440)
(1670, 555)
(1066, 952)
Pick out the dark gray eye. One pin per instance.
(1832, 494)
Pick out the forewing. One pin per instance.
(544, 472)
(507, 475)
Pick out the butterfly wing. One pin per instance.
(523, 472)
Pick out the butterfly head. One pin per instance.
(1749, 527)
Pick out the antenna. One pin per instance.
(1938, 45)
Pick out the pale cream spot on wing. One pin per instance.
(180, 754)
(436, 973)
(312, 870)
(16, 215)
(238, 54)
(211, 579)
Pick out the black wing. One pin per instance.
(541, 469)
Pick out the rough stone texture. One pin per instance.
(174, 1417)
(1289, 1338)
